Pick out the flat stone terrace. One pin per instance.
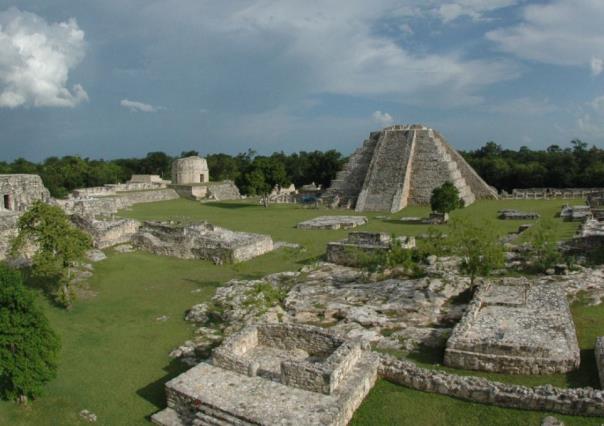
(517, 328)
(333, 222)
(274, 374)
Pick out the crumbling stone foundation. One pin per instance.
(333, 222)
(201, 241)
(274, 374)
(516, 328)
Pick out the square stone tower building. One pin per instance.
(401, 165)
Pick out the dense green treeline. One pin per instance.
(254, 174)
(556, 167)
(576, 166)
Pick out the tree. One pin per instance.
(58, 244)
(478, 246)
(28, 346)
(445, 198)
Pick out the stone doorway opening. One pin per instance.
(6, 201)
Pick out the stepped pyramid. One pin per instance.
(401, 165)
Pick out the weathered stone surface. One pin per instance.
(95, 255)
(201, 241)
(575, 213)
(401, 165)
(275, 374)
(551, 421)
(511, 214)
(333, 222)
(106, 206)
(599, 352)
(107, 233)
(190, 170)
(17, 193)
(517, 328)
(577, 401)
(209, 191)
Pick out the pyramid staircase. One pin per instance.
(384, 186)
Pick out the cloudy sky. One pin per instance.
(115, 78)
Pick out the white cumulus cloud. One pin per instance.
(382, 118)
(35, 60)
(474, 9)
(136, 106)
(561, 32)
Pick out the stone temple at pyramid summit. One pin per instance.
(401, 165)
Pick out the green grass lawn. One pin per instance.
(114, 359)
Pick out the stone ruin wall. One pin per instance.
(490, 356)
(201, 241)
(115, 189)
(571, 401)
(107, 233)
(338, 356)
(599, 352)
(107, 206)
(21, 191)
(548, 193)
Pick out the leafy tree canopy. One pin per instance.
(445, 198)
(28, 346)
(58, 244)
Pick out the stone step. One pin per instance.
(202, 419)
(167, 417)
(219, 417)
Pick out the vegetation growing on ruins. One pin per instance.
(445, 198)
(478, 246)
(28, 346)
(542, 239)
(107, 360)
(57, 245)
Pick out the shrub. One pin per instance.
(445, 198)
(28, 346)
(478, 246)
(544, 244)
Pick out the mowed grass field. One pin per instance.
(114, 359)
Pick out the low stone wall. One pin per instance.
(579, 402)
(109, 205)
(107, 233)
(548, 193)
(599, 351)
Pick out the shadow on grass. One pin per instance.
(154, 392)
(586, 374)
(230, 206)
(427, 355)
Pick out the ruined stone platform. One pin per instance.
(511, 214)
(333, 222)
(274, 374)
(201, 241)
(517, 328)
